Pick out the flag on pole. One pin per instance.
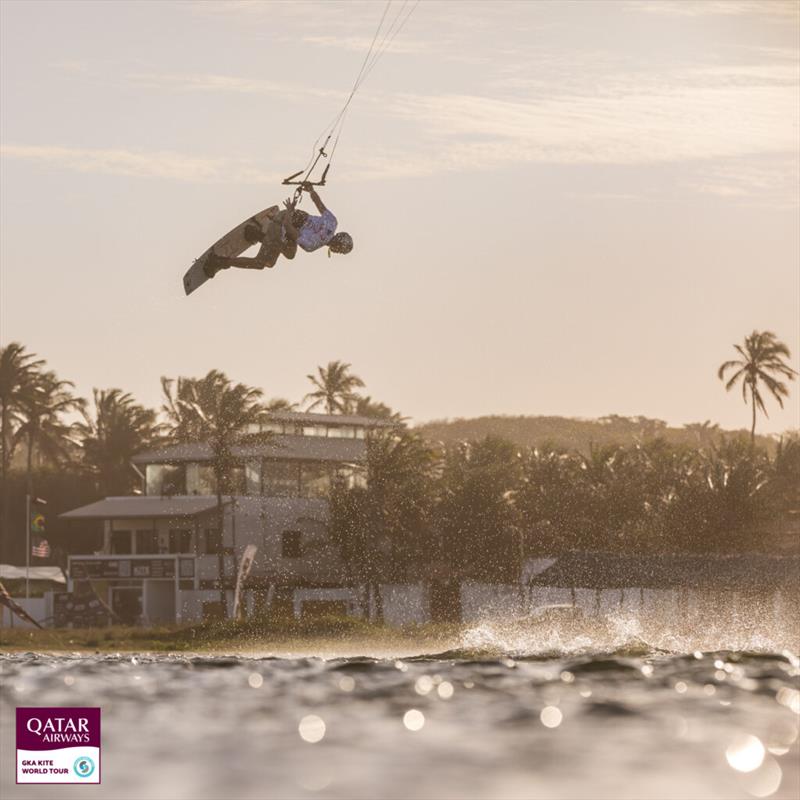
(41, 550)
(37, 519)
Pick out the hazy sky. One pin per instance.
(558, 208)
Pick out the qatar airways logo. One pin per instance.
(60, 729)
(58, 745)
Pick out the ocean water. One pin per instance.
(511, 712)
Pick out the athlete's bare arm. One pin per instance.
(317, 200)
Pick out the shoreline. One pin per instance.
(331, 639)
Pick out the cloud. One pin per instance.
(619, 128)
(362, 44)
(688, 115)
(764, 181)
(738, 114)
(228, 83)
(317, 15)
(140, 164)
(698, 8)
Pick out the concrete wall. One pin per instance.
(405, 604)
(158, 601)
(40, 608)
(499, 601)
(341, 595)
(191, 603)
(260, 521)
(490, 600)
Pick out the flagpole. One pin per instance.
(27, 546)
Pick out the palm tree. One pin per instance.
(110, 436)
(381, 528)
(43, 429)
(17, 371)
(334, 387)
(213, 409)
(367, 407)
(702, 432)
(280, 404)
(180, 396)
(762, 362)
(476, 513)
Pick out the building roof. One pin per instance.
(142, 507)
(609, 571)
(331, 419)
(298, 448)
(54, 574)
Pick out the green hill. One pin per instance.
(578, 434)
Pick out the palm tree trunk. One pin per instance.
(29, 488)
(753, 426)
(4, 464)
(3, 443)
(221, 553)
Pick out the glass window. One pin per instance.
(315, 430)
(180, 540)
(340, 432)
(165, 479)
(121, 542)
(291, 544)
(273, 427)
(146, 541)
(212, 542)
(315, 480)
(200, 479)
(281, 478)
(252, 474)
(360, 433)
(351, 476)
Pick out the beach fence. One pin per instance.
(604, 584)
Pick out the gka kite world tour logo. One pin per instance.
(58, 745)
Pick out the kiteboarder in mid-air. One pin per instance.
(279, 232)
(286, 230)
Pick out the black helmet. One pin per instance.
(341, 243)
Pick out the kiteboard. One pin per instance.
(232, 244)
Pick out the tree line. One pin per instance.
(466, 508)
(71, 450)
(476, 510)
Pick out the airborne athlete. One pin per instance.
(281, 231)
(286, 230)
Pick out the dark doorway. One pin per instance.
(127, 604)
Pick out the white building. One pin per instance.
(159, 559)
